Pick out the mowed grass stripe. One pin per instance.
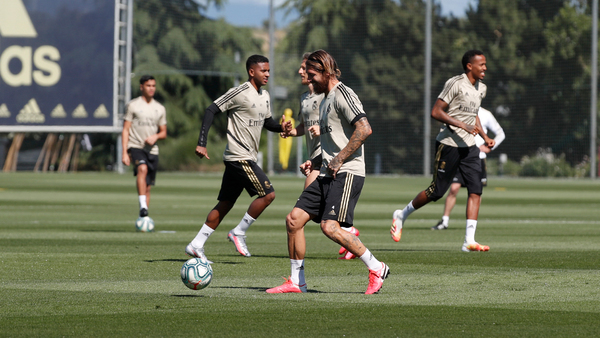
(73, 265)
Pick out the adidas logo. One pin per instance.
(4, 112)
(31, 113)
(58, 112)
(15, 21)
(101, 112)
(332, 212)
(253, 105)
(80, 112)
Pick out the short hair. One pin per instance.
(469, 55)
(146, 78)
(323, 62)
(305, 56)
(254, 60)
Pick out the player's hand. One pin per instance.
(334, 166)
(315, 131)
(306, 167)
(473, 130)
(125, 159)
(151, 140)
(490, 142)
(201, 152)
(485, 149)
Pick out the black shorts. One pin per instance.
(240, 175)
(140, 157)
(332, 199)
(448, 160)
(459, 179)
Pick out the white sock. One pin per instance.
(470, 234)
(142, 199)
(409, 209)
(370, 261)
(202, 236)
(297, 275)
(445, 220)
(245, 223)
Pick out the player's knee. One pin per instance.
(269, 198)
(328, 228)
(142, 169)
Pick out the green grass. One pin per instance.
(71, 263)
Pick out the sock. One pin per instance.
(245, 223)
(202, 236)
(409, 209)
(445, 220)
(297, 275)
(142, 199)
(470, 234)
(351, 230)
(370, 261)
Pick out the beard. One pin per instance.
(319, 88)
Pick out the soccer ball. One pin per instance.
(196, 273)
(144, 224)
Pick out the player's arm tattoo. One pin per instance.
(362, 130)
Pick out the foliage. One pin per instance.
(538, 68)
(194, 61)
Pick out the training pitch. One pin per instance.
(72, 263)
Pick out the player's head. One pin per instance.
(258, 70)
(302, 70)
(321, 69)
(474, 63)
(147, 86)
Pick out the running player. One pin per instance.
(489, 123)
(248, 109)
(332, 197)
(145, 122)
(456, 107)
(309, 115)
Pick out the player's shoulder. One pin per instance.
(304, 95)
(344, 93)
(455, 80)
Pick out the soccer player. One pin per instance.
(332, 197)
(456, 107)
(309, 117)
(145, 122)
(248, 109)
(489, 123)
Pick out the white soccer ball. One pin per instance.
(144, 224)
(196, 273)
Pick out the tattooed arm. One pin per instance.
(362, 130)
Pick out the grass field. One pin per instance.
(72, 264)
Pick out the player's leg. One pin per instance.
(448, 206)
(256, 182)
(307, 207)
(343, 251)
(341, 196)
(230, 191)
(149, 172)
(142, 187)
(471, 169)
(446, 164)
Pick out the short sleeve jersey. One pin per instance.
(309, 115)
(145, 119)
(463, 99)
(339, 110)
(246, 110)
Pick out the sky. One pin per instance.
(253, 13)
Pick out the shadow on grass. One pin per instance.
(263, 289)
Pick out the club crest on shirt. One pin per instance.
(315, 105)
